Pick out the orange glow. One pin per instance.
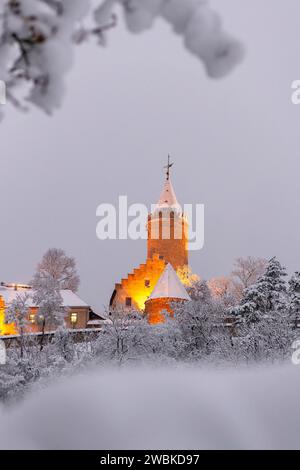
(140, 299)
(186, 276)
(5, 329)
(156, 309)
(139, 284)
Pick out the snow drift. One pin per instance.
(181, 408)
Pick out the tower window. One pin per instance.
(147, 283)
(128, 301)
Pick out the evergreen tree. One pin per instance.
(267, 295)
(294, 296)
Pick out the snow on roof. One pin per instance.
(70, 299)
(169, 286)
(168, 198)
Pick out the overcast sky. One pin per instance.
(234, 143)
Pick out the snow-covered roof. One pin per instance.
(169, 286)
(168, 198)
(70, 299)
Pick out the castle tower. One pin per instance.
(168, 228)
(167, 244)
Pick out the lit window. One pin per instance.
(128, 302)
(74, 318)
(32, 318)
(147, 283)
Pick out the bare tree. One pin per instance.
(61, 267)
(246, 272)
(222, 289)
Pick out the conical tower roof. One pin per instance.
(167, 199)
(169, 286)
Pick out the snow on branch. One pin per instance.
(37, 39)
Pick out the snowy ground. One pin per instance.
(152, 408)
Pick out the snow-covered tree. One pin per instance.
(61, 267)
(10, 379)
(124, 336)
(63, 343)
(203, 329)
(46, 294)
(268, 294)
(37, 39)
(269, 339)
(294, 296)
(165, 341)
(199, 290)
(18, 314)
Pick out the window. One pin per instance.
(161, 257)
(32, 318)
(147, 283)
(73, 318)
(128, 302)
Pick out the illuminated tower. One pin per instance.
(168, 228)
(167, 244)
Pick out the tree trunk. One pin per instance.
(22, 342)
(43, 335)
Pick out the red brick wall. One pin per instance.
(154, 309)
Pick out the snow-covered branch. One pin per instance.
(37, 39)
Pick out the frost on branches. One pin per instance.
(294, 296)
(18, 313)
(268, 294)
(47, 296)
(61, 267)
(37, 39)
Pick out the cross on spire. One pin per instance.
(168, 166)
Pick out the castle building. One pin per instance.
(167, 251)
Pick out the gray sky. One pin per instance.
(234, 143)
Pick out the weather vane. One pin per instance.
(168, 166)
